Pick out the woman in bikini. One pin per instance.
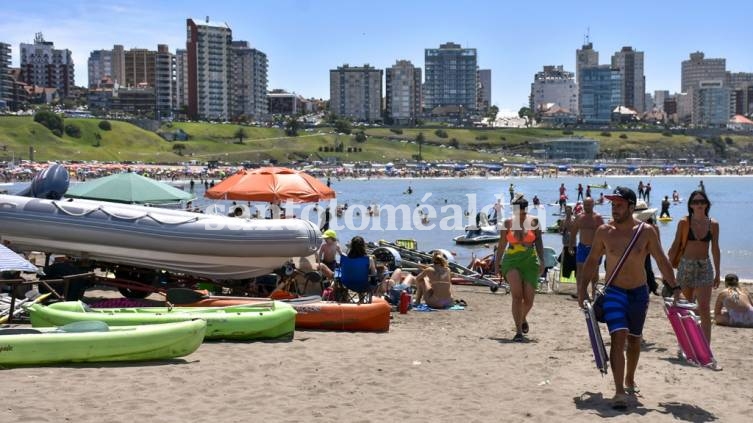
(696, 274)
(434, 285)
(520, 255)
(734, 305)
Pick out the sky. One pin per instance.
(304, 39)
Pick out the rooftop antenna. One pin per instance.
(588, 36)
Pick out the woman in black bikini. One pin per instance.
(695, 274)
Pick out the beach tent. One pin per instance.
(10, 261)
(129, 188)
(271, 184)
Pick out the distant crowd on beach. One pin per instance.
(80, 172)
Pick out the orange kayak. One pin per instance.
(325, 315)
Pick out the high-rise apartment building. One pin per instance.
(403, 96)
(660, 96)
(630, 64)
(356, 92)
(118, 64)
(181, 79)
(713, 104)
(585, 57)
(139, 67)
(698, 69)
(209, 60)
(99, 66)
(741, 85)
(6, 81)
(554, 85)
(451, 77)
(164, 71)
(600, 93)
(484, 89)
(45, 66)
(248, 86)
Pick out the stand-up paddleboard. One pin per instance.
(594, 334)
(686, 325)
(665, 219)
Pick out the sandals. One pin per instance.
(619, 402)
(518, 337)
(632, 390)
(461, 303)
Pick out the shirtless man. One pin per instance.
(626, 299)
(585, 224)
(568, 255)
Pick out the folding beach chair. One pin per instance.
(353, 282)
(550, 263)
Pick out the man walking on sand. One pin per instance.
(585, 224)
(626, 298)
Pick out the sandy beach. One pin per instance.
(440, 366)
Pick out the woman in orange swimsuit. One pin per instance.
(520, 255)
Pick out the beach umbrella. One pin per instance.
(129, 188)
(12, 262)
(271, 184)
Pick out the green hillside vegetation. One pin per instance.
(209, 141)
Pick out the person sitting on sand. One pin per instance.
(433, 284)
(399, 279)
(734, 305)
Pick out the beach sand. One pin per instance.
(441, 366)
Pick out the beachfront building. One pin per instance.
(403, 96)
(575, 148)
(451, 77)
(585, 57)
(99, 67)
(45, 66)
(164, 82)
(6, 80)
(554, 87)
(248, 83)
(600, 94)
(208, 47)
(741, 85)
(281, 102)
(630, 64)
(181, 79)
(713, 104)
(356, 92)
(660, 96)
(484, 89)
(118, 64)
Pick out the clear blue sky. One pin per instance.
(304, 39)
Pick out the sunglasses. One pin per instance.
(698, 202)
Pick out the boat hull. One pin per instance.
(251, 322)
(209, 246)
(127, 343)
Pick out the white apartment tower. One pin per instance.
(554, 85)
(403, 97)
(209, 59)
(356, 92)
(630, 64)
(248, 81)
(45, 66)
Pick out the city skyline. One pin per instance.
(304, 40)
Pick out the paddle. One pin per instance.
(188, 296)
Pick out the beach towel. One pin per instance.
(424, 307)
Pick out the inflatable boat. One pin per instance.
(208, 246)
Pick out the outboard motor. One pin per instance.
(49, 184)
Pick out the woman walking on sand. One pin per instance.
(695, 273)
(520, 255)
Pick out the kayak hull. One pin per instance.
(323, 315)
(251, 322)
(126, 343)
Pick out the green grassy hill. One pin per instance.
(208, 141)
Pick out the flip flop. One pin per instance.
(619, 402)
(632, 390)
(518, 337)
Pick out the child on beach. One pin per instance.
(734, 305)
(329, 250)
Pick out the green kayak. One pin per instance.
(94, 341)
(245, 322)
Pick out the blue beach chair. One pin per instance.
(353, 276)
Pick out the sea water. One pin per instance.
(732, 206)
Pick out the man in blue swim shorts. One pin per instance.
(585, 225)
(626, 300)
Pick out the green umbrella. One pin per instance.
(129, 188)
